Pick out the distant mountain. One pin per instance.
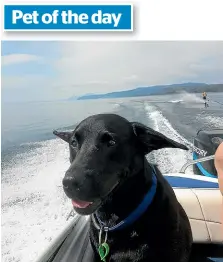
(72, 98)
(77, 98)
(158, 90)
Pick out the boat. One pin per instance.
(199, 195)
(207, 141)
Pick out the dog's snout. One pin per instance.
(70, 183)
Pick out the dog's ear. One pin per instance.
(150, 139)
(66, 136)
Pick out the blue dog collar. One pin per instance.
(136, 213)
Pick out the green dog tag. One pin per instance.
(103, 251)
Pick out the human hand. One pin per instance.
(218, 161)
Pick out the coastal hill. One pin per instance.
(156, 90)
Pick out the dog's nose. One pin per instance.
(70, 183)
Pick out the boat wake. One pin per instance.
(34, 207)
(167, 159)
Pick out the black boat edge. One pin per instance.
(205, 143)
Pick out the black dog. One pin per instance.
(110, 178)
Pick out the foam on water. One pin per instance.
(34, 206)
(175, 101)
(216, 121)
(168, 159)
(191, 98)
(187, 98)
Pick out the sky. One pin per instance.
(39, 70)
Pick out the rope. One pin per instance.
(216, 102)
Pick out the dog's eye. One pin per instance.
(108, 139)
(73, 142)
(111, 143)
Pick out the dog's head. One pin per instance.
(105, 149)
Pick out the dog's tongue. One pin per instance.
(80, 204)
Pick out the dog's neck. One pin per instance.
(127, 197)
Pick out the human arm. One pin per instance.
(218, 161)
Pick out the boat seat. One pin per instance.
(204, 208)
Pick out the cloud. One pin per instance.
(18, 58)
(19, 82)
(77, 68)
(125, 65)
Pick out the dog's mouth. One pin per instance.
(84, 207)
(81, 204)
